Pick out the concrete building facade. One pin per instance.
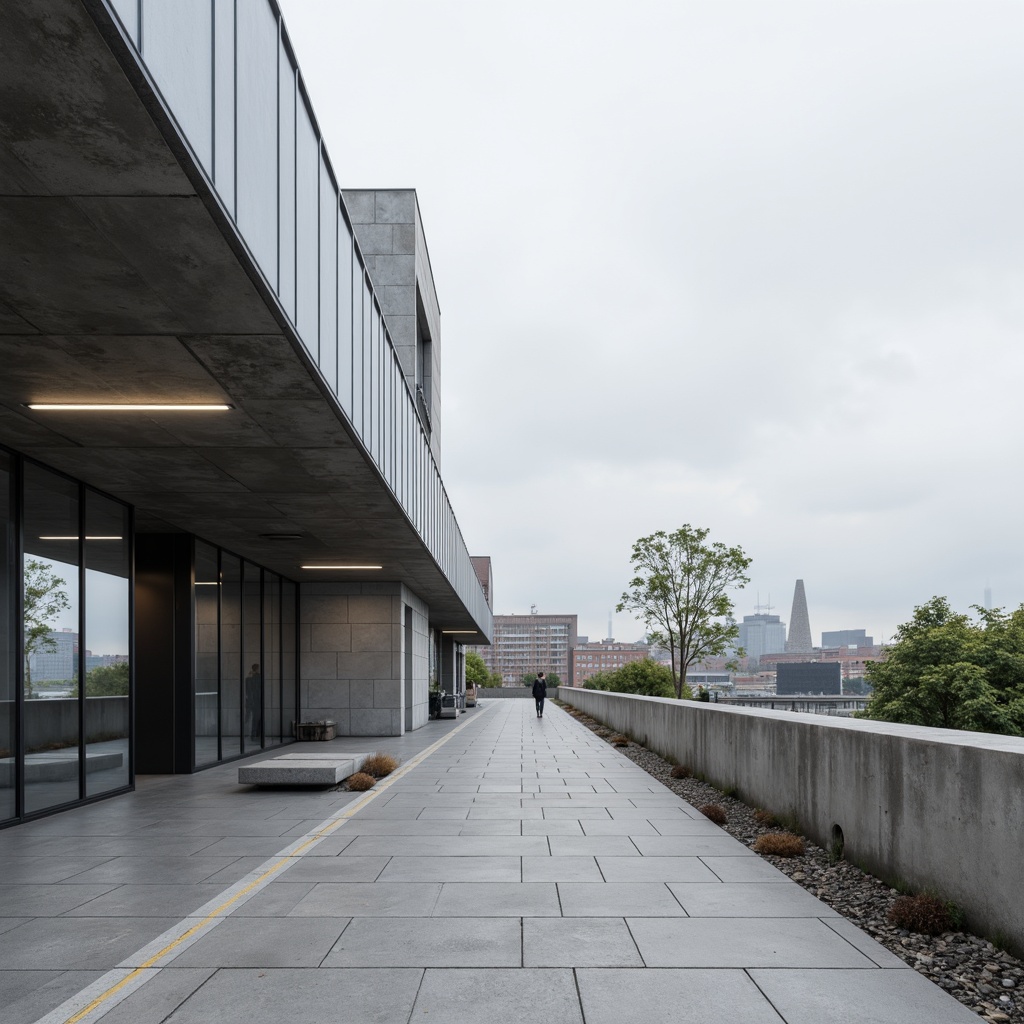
(220, 411)
(526, 644)
(605, 656)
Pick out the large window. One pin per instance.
(245, 662)
(72, 659)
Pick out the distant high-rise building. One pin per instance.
(526, 644)
(762, 634)
(799, 641)
(847, 638)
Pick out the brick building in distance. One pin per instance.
(604, 656)
(527, 644)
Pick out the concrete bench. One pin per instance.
(301, 770)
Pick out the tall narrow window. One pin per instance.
(8, 644)
(50, 596)
(207, 666)
(108, 645)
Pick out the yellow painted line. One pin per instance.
(335, 822)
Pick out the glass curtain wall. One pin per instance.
(8, 645)
(65, 682)
(246, 653)
(228, 76)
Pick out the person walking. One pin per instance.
(540, 691)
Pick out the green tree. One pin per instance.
(476, 669)
(108, 680)
(680, 589)
(551, 678)
(945, 669)
(43, 601)
(645, 677)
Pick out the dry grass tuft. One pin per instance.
(378, 765)
(361, 781)
(763, 817)
(715, 813)
(781, 844)
(681, 771)
(923, 913)
(619, 740)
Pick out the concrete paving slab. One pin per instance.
(365, 899)
(335, 869)
(749, 899)
(27, 995)
(560, 869)
(23, 901)
(674, 997)
(146, 900)
(592, 846)
(498, 899)
(433, 942)
(611, 827)
(447, 846)
(499, 996)
(721, 845)
(445, 869)
(742, 942)
(281, 942)
(353, 996)
(578, 942)
(859, 997)
(744, 869)
(77, 944)
(618, 899)
(157, 1000)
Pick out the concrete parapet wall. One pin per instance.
(938, 808)
(506, 692)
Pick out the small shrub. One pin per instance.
(715, 813)
(731, 791)
(379, 765)
(361, 781)
(925, 914)
(681, 771)
(781, 844)
(619, 740)
(763, 817)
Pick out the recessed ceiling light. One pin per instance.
(459, 631)
(124, 407)
(207, 583)
(341, 566)
(87, 537)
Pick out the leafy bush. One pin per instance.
(361, 781)
(681, 771)
(715, 813)
(780, 844)
(378, 765)
(645, 677)
(926, 914)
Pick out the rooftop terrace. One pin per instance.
(514, 869)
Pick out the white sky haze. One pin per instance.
(752, 266)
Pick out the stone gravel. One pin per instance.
(973, 970)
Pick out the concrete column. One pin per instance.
(353, 662)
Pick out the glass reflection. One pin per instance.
(288, 659)
(207, 666)
(272, 657)
(252, 656)
(107, 638)
(230, 655)
(8, 646)
(51, 639)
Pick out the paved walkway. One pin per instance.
(516, 870)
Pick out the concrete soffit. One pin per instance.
(125, 280)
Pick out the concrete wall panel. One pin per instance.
(937, 808)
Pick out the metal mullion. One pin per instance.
(81, 641)
(18, 481)
(131, 646)
(263, 658)
(220, 654)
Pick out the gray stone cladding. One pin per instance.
(352, 657)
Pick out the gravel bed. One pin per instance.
(982, 977)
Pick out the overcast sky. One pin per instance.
(751, 266)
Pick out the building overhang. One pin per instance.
(120, 282)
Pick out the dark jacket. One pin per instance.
(540, 689)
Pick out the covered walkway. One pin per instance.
(514, 870)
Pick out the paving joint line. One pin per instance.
(95, 1000)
